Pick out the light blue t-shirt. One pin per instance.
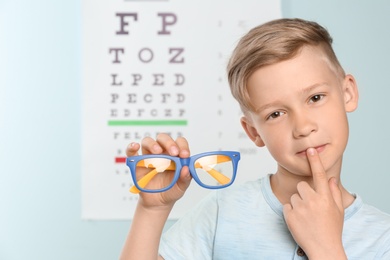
(246, 222)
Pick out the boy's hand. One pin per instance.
(164, 144)
(315, 217)
(153, 208)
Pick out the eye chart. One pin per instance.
(152, 66)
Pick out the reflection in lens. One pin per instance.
(214, 170)
(155, 173)
(160, 164)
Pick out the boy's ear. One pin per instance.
(251, 132)
(351, 93)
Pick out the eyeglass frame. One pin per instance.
(132, 162)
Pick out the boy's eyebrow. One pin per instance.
(264, 107)
(304, 91)
(309, 89)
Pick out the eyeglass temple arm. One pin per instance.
(222, 179)
(148, 177)
(144, 181)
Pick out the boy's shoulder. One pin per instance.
(374, 215)
(239, 191)
(369, 223)
(363, 218)
(249, 187)
(255, 194)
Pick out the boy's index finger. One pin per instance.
(320, 179)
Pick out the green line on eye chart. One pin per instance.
(147, 122)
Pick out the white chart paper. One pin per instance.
(160, 66)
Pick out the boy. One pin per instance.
(294, 95)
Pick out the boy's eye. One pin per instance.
(275, 115)
(316, 98)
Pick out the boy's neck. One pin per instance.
(285, 185)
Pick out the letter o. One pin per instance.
(148, 57)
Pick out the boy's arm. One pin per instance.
(144, 236)
(153, 208)
(315, 217)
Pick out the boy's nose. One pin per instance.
(303, 126)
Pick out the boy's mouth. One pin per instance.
(319, 149)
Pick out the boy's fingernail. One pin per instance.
(174, 150)
(185, 153)
(156, 148)
(311, 151)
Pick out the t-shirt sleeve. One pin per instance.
(386, 250)
(192, 236)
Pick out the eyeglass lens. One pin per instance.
(158, 173)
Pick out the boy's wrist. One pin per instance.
(155, 210)
(336, 253)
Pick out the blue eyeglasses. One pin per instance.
(158, 173)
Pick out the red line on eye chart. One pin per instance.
(120, 159)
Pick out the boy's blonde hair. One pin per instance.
(272, 42)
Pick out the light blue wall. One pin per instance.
(40, 138)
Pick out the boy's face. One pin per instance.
(301, 103)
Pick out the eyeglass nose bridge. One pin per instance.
(185, 161)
